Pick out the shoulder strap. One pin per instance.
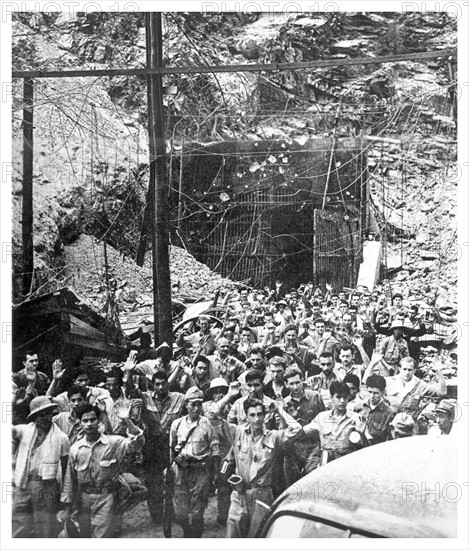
(183, 443)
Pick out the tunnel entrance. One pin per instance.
(267, 210)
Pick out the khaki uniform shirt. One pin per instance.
(334, 431)
(255, 457)
(202, 442)
(97, 464)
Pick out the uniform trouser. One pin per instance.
(35, 508)
(242, 509)
(155, 461)
(98, 515)
(190, 497)
(154, 482)
(223, 498)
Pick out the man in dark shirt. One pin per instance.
(302, 455)
(376, 414)
(159, 410)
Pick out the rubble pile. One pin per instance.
(86, 273)
(416, 212)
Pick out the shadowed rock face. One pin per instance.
(83, 123)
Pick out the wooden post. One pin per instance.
(150, 209)
(159, 194)
(27, 221)
(180, 205)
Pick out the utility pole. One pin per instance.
(158, 187)
(27, 220)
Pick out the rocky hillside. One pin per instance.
(90, 164)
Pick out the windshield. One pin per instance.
(288, 526)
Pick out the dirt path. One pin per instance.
(137, 524)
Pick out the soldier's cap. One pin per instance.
(403, 423)
(446, 406)
(194, 394)
(282, 303)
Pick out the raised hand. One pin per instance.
(136, 409)
(357, 340)
(57, 371)
(101, 404)
(276, 406)
(124, 412)
(105, 365)
(234, 388)
(131, 362)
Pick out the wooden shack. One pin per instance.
(59, 325)
(275, 209)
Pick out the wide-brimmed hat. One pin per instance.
(397, 324)
(217, 384)
(39, 404)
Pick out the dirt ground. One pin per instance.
(137, 523)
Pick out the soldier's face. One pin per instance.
(112, 385)
(255, 416)
(326, 365)
(194, 408)
(75, 401)
(339, 402)
(257, 361)
(444, 422)
(254, 387)
(295, 385)
(204, 325)
(89, 422)
(320, 328)
(406, 372)
(375, 395)
(82, 380)
(277, 373)
(353, 390)
(161, 387)
(31, 362)
(224, 348)
(44, 419)
(346, 358)
(201, 369)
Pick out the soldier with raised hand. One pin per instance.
(336, 426)
(96, 460)
(26, 374)
(255, 450)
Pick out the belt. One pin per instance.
(248, 486)
(185, 462)
(94, 490)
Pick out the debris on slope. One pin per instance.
(85, 268)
